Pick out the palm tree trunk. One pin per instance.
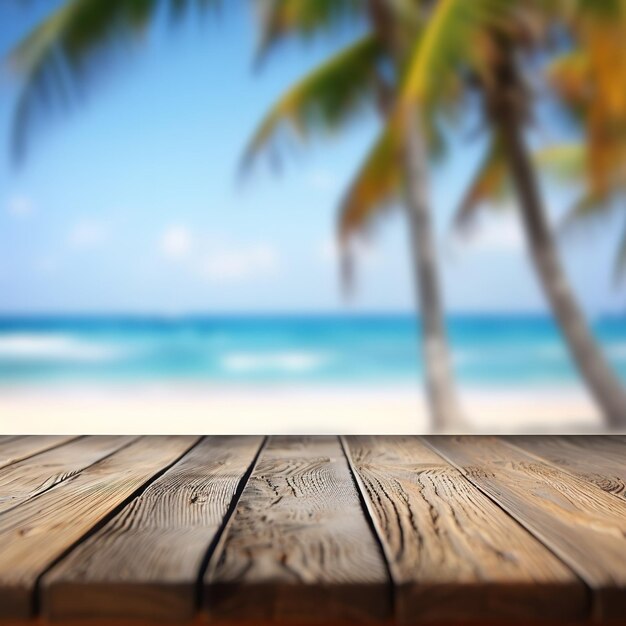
(593, 366)
(440, 388)
(445, 411)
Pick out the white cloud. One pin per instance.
(20, 206)
(176, 242)
(88, 234)
(218, 258)
(231, 264)
(493, 234)
(323, 180)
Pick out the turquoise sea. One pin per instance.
(508, 351)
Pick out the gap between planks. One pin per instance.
(219, 540)
(73, 510)
(452, 552)
(31, 477)
(582, 524)
(571, 454)
(147, 561)
(19, 447)
(299, 545)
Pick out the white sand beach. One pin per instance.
(191, 408)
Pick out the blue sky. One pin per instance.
(131, 202)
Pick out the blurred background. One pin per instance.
(332, 216)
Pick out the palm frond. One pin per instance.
(568, 74)
(591, 82)
(564, 163)
(447, 43)
(59, 57)
(324, 99)
(488, 185)
(567, 164)
(280, 18)
(376, 186)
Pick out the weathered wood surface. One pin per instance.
(600, 460)
(400, 529)
(454, 554)
(581, 523)
(146, 561)
(298, 545)
(39, 531)
(26, 479)
(15, 448)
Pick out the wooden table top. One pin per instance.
(365, 529)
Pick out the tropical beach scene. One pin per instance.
(312, 312)
(312, 216)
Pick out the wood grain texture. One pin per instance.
(581, 523)
(601, 460)
(452, 553)
(299, 545)
(26, 479)
(145, 563)
(15, 448)
(36, 533)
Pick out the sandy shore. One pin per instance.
(192, 408)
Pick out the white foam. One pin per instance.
(247, 362)
(37, 347)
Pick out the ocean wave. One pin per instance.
(36, 347)
(251, 362)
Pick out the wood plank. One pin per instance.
(452, 553)
(35, 534)
(595, 458)
(26, 479)
(145, 563)
(16, 448)
(581, 523)
(299, 545)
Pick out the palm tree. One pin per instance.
(569, 164)
(58, 57)
(415, 63)
(326, 98)
(477, 45)
(596, 29)
(332, 94)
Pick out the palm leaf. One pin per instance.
(447, 44)
(591, 82)
(568, 74)
(324, 99)
(280, 18)
(59, 57)
(563, 163)
(376, 186)
(567, 163)
(488, 185)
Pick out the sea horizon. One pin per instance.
(513, 350)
